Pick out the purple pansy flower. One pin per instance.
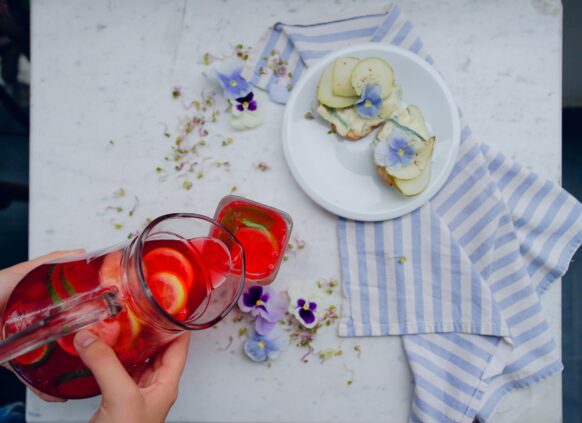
(246, 103)
(306, 311)
(306, 304)
(370, 102)
(262, 347)
(228, 73)
(265, 304)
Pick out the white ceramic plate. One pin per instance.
(339, 175)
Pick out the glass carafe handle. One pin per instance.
(60, 320)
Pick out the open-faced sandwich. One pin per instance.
(403, 150)
(357, 95)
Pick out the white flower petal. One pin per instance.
(246, 119)
(311, 294)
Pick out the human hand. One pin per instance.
(10, 276)
(146, 401)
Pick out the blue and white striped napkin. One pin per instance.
(461, 277)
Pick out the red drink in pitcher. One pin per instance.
(183, 272)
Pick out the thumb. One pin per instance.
(117, 387)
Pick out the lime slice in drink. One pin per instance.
(35, 357)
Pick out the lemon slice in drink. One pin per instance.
(169, 291)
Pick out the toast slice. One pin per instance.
(352, 135)
(381, 171)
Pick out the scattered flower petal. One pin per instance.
(263, 167)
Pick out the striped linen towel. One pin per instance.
(459, 278)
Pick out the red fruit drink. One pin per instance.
(188, 283)
(183, 272)
(263, 232)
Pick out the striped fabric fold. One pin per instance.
(301, 45)
(461, 277)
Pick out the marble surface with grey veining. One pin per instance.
(103, 71)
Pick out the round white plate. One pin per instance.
(339, 175)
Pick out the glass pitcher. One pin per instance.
(183, 272)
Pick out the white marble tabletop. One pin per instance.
(104, 71)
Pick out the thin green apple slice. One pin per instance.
(325, 94)
(341, 77)
(414, 186)
(373, 70)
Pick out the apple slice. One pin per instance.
(325, 94)
(414, 186)
(341, 77)
(373, 70)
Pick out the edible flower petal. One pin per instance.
(248, 118)
(246, 103)
(400, 151)
(370, 102)
(265, 304)
(306, 304)
(228, 73)
(262, 347)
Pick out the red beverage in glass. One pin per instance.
(183, 272)
(263, 232)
